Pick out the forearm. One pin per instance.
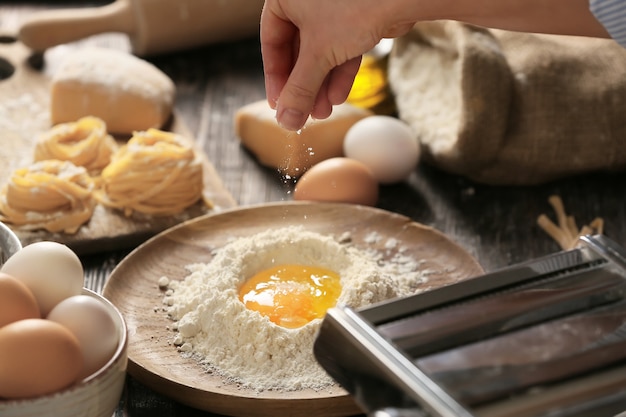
(311, 49)
(566, 17)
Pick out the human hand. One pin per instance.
(312, 51)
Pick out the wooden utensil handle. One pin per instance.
(55, 27)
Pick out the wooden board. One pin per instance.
(153, 359)
(24, 113)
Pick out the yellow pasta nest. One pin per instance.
(84, 143)
(52, 195)
(156, 172)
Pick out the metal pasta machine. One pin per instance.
(545, 338)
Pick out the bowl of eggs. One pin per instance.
(63, 347)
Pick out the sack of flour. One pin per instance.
(511, 108)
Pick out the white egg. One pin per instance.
(386, 145)
(51, 270)
(92, 325)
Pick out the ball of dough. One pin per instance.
(125, 91)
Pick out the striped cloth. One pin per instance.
(612, 15)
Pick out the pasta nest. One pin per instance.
(78, 165)
(84, 143)
(155, 172)
(53, 195)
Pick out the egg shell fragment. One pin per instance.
(386, 145)
(340, 180)
(92, 325)
(51, 270)
(38, 357)
(17, 302)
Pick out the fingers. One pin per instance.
(313, 89)
(292, 80)
(335, 88)
(279, 40)
(322, 107)
(301, 93)
(341, 79)
(303, 75)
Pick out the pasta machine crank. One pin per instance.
(545, 338)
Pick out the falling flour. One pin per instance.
(243, 346)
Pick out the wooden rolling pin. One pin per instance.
(153, 26)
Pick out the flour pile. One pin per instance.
(242, 345)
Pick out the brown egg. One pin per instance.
(17, 302)
(38, 357)
(341, 180)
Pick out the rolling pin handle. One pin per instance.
(56, 27)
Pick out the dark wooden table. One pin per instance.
(495, 224)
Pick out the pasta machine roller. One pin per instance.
(544, 338)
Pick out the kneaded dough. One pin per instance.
(289, 152)
(125, 91)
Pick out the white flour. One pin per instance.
(242, 345)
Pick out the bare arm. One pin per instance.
(312, 49)
(564, 17)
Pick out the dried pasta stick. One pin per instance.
(566, 233)
(557, 205)
(572, 227)
(598, 225)
(555, 232)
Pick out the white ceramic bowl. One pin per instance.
(98, 395)
(9, 243)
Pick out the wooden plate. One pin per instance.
(154, 361)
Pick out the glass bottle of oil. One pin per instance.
(371, 88)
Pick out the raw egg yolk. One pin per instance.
(291, 295)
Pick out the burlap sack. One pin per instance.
(511, 108)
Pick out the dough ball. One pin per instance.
(125, 91)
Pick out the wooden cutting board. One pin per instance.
(24, 113)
